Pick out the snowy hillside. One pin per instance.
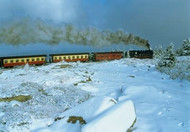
(94, 91)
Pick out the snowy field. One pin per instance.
(94, 91)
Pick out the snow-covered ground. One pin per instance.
(161, 104)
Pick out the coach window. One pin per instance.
(81, 57)
(42, 59)
(22, 60)
(69, 57)
(32, 59)
(11, 61)
(73, 57)
(77, 57)
(37, 59)
(86, 56)
(6, 61)
(17, 60)
(60, 58)
(27, 60)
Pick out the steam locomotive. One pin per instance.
(11, 61)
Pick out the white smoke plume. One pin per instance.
(28, 31)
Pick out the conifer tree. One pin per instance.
(168, 59)
(186, 47)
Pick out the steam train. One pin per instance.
(8, 62)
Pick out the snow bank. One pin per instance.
(87, 110)
(91, 108)
(100, 113)
(118, 118)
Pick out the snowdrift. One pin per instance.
(100, 114)
(118, 118)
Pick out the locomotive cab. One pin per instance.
(141, 54)
(1, 64)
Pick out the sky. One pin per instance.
(161, 22)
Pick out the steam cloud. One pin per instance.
(27, 31)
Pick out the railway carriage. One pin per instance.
(22, 60)
(70, 57)
(100, 56)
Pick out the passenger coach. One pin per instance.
(99, 56)
(71, 57)
(22, 60)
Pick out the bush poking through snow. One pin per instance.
(58, 118)
(132, 128)
(74, 119)
(87, 80)
(62, 66)
(20, 98)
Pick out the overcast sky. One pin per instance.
(159, 21)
